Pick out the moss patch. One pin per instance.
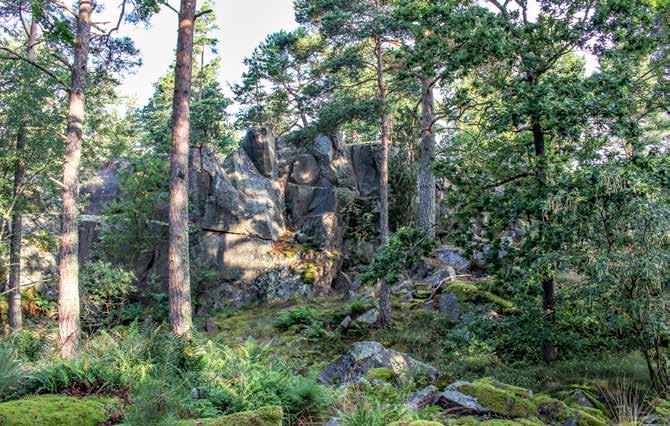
(498, 399)
(384, 374)
(476, 421)
(264, 416)
(57, 410)
(416, 423)
(468, 292)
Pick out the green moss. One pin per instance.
(264, 416)
(504, 402)
(587, 416)
(476, 421)
(57, 410)
(550, 409)
(471, 293)
(385, 374)
(416, 423)
(309, 273)
(661, 407)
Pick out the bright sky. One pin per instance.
(243, 24)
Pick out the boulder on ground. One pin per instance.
(453, 257)
(422, 398)
(495, 399)
(364, 356)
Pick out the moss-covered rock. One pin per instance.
(57, 410)
(504, 400)
(552, 411)
(384, 374)
(477, 421)
(468, 292)
(264, 416)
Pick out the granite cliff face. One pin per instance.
(269, 216)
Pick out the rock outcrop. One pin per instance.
(269, 215)
(354, 365)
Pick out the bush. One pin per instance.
(105, 292)
(302, 315)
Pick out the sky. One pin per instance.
(243, 24)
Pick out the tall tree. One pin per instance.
(68, 283)
(15, 317)
(178, 252)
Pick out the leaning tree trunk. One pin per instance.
(426, 181)
(178, 254)
(384, 167)
(68, 284)
(15, 317)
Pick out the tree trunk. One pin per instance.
(178, 256)
(68, 284)
(426, 181)
(384, 167)
(549, 349)
(384, 303)
(15, 317)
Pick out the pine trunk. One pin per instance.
(15, 316)
(384, 303)
(179, 279)
(426, 181)
(68, 284)
(384, 167)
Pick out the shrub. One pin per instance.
(301, 315)
(106, 289)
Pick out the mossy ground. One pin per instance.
(57, 410)
(264, 416)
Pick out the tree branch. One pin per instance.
(16, 56)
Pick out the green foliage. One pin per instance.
(301, 315)
(405, 249)
(106, 290)
(11, 375)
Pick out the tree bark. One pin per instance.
(178, 253)
(426, 181)
(15, 315)
(384, 303)
(383, 125)
(68, 284)
(549, 349)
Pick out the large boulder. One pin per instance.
(97, 193)
(305, 170)
(259, 144)
(366, 168)
(353, 366)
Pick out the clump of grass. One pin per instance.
(625, 402)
